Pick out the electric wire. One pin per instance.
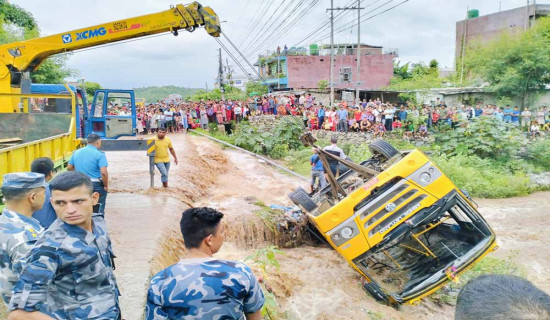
(255, 37)
(242, 55)
(364, 20)
(284, 19)
(250, 26)
(235, 60)
(273, 41)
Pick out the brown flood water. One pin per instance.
(313, 282)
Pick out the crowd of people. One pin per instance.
(373, 116)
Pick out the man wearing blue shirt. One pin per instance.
(46, 216)
(321, 116)
(317, 171)
(508, 114)
(342, 115)
(92, 162)
(515, 116)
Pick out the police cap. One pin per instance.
(23, 180)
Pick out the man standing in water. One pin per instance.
(162, 158)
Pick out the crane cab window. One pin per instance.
(119, 104)
(98, 108)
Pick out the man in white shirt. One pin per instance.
(335, 150)
(238, 113)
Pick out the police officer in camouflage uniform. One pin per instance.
(71, 267)
(24, 193)
(200, 286)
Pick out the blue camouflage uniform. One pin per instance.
(206, 289)
(70, 270)
(18, 233)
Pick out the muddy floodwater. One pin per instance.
(313, 282)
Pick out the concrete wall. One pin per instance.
(455, 100)
(306, 71)
(488, 27)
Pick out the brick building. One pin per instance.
(303, 69)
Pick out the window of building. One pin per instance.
(345, 74)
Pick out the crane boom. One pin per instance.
(17, 59)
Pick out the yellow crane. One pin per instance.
(26, 135)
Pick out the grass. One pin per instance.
(268, 215)
(488, 265)
(216, 134)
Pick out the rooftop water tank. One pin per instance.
(472, 14)
(314, 49)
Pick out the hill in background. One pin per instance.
(153, 94)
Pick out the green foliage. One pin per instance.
(538, 153)
(17, 15)
(485, 178)
(513, 65)
(322, 84)
(276, 143)
(253, 86)
(154, 94)
(401, 71)
(52, 70)
(298, 161)
(488, 265)
(485, 137)
(91, 88)
(279, 151)
(266, 260)
(249, 138)
(419, 77)
(17, 24)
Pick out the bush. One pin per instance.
(279, 151)
(538, 153)
(485, 137)
(484, 178)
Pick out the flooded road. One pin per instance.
(313, 282)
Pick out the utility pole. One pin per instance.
(465, 31)
(527, 16)
(332, 9)
(220, 75)
(357, 96)
(331, 53)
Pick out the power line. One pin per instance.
(290, 23)
(369, 18)
(326, 23)
(254, 38)
(252, 22)
(284, 19)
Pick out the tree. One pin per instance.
(419, 77)
(52, 70)
(17, 24)
(401, 71)
(322, 84)
(513, 65)
(253, 86)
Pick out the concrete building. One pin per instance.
(488, 27)
(300, 68)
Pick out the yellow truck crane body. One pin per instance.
(18, 59)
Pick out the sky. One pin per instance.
(420, 30)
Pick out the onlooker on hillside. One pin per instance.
(525, 119)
